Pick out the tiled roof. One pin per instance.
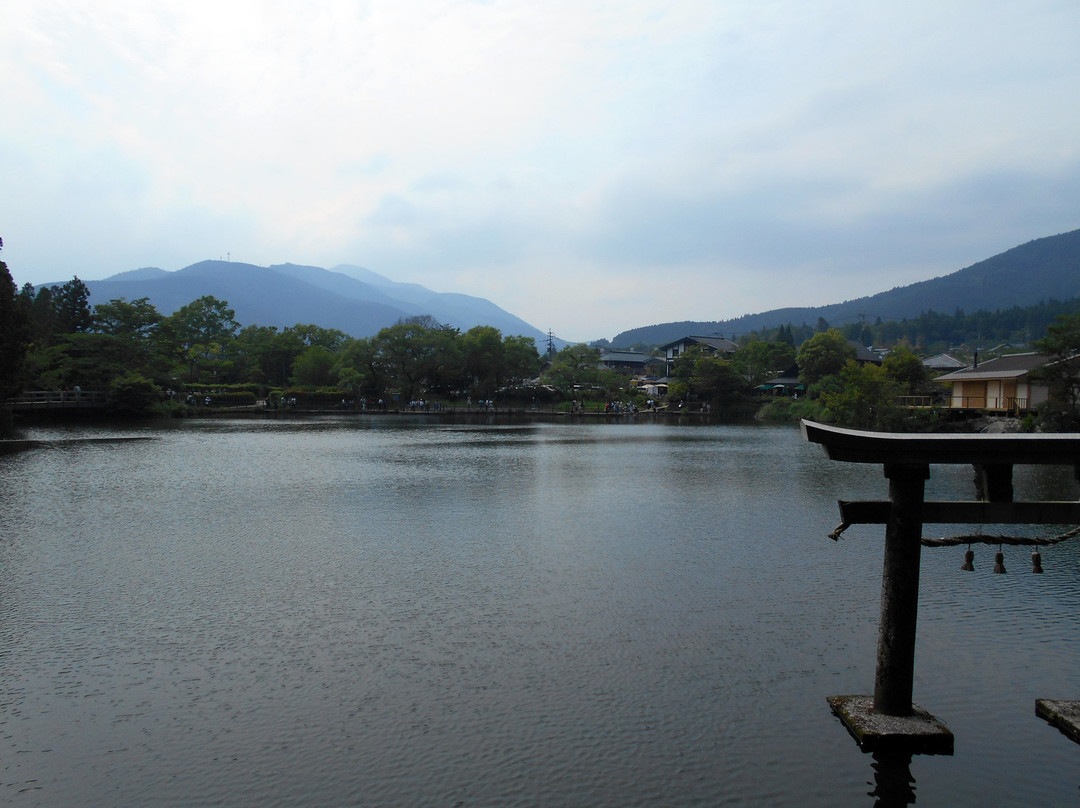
(1003, 367)
(943, 362)
(624, 356)
(716, 343)
(719, 343)
(864, 354)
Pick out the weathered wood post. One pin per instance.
(895, 673)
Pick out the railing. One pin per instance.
(998, 403)
(917, 401)
(994, 403)
(58, 399)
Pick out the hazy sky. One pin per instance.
(590, 166)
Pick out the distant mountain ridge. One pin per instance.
(349, 298)
(1035, 272)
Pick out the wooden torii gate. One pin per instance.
(889, 719)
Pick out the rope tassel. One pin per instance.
(999, 562)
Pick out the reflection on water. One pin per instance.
(384, 612)
(894, 786)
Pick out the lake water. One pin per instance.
(392, 611)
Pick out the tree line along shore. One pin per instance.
(200, 357)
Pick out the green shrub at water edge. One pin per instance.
(133, 394)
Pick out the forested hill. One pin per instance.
(1041, 270)
(352, 299)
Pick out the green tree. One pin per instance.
(824, 354)
(14, 333)
(904, 367)
(361, 368)
(414, 356)
(201, 322)
(266, 355)
(445, 374)
(610, 382)
(133, 394)
(521, 360)
(315, 367)
(56, 310)
(482, 355)
(42, 316)
(1061, 374)
(864, 398)
(135, 320)
(199, 339)
(88, 360)
(716, 380)
(310, 334)
(133, 324)
(71, 304)
(682, 369)
(758, 360)
(574, 368)
(678, 391)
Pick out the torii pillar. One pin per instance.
(895, 673)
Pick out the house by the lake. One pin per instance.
(1003, 384)
(632, 362)
(708, 345)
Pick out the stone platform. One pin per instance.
(919, 733)
(1064, 715)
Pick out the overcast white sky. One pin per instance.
(590, 166)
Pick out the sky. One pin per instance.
(588, 165)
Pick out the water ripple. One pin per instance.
(344, 613)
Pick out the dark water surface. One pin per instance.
(387, 612)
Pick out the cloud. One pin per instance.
(590, 166)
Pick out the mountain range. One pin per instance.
(1041, 270)
(349, 298)
(360, 302)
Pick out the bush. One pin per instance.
(174, 408)
(525, 396)
(133, 394)
(223, 398)
(788, 410)
(323, 398)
